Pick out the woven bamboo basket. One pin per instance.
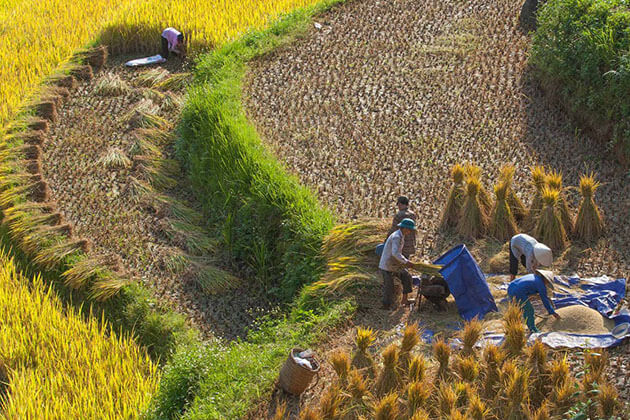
(294, 378)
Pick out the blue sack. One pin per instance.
(467, 283)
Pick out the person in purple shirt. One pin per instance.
(173, 41)
(532, 286)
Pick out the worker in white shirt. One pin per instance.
(531, 253)
(394, 264)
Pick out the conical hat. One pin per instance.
(547, 275)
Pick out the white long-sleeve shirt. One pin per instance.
(523, 244)
(392, 258)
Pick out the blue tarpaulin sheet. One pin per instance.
(599, 293)
(467, 283)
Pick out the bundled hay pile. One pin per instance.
(473, 222)
(453, 208)
(549, 228)
(508, 382)
(589, 223)
(474, 172)
(578, 319)
(502, 225)
(506, 176)
(554, 181)
(539, 179)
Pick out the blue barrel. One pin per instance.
(467, 283)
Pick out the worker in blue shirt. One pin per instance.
(533, 286)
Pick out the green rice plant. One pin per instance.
(470, 334)
(442, 353)
(589, 223)
(452, 211)
(387, 408)
(549, 228)
(388, 378)
(502, 221)
(539, 180)
(554, 181)
(506, 176)
(115, 158)
(418, 395)
(473, 222)
(54, 255)
(84, 370)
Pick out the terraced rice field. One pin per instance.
(99, 157)
(383, 97)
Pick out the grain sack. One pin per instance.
(578, 319)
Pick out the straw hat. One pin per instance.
(543, 254)
(548, 277)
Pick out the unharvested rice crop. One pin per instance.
(579, 319)
(60, 365)
(37, 36)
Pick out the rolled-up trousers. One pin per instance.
(388, 284)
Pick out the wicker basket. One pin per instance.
(294, 378)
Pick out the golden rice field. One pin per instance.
(36, 36)
(44, 352)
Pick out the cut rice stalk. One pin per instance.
(549, 228)
(514, 202)
(554, 181)
(502, 224)
(589, 224)
(539, 179)
(452, 211)
(473, 222)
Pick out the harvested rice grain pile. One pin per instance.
(578, 319)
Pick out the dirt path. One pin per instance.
(386, 96)
(98, 159)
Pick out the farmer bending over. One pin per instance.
(404, 213)
(533, 286)
(173, 42)
(530, 252)
(394, 263)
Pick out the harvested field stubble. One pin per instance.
(120, 187)
(383, 101)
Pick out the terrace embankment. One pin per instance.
(109, 160)
(381, 98)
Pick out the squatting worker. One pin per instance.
(394, 264)
(531, 253)
(404, 213)
(533, 286)
(173, 41)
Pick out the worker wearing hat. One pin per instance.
(394, 264)
(531, 253)
(404, 213)
(533, 286)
